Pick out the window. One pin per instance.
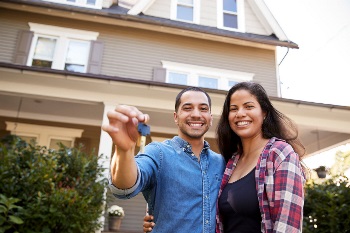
(82, 3)
(231, 15)
(44, 135)
(185, 10)
(202, 76)
(60, 48)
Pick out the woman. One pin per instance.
(262, 187)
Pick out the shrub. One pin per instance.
(327, 206)
(59, 191)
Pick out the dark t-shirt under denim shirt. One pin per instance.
(181, 192)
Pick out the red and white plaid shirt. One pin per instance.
(279, 183)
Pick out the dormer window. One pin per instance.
(185, 10)
(231, 15)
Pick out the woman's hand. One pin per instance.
(148, 224)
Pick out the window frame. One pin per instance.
(240, 16)
(63, 36)
(44, 134)
(196, 11)
(194, 72)
(79, 3)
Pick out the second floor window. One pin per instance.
(60, 48)
(185, 10)
(231, 14)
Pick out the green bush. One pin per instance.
(327, 206)
(59, 191)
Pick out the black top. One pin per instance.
(239, 206)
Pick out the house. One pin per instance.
(65, 63)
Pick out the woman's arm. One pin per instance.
(288, 196)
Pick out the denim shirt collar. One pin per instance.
(185, 146)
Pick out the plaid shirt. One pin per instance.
(279, 183)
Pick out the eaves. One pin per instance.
(43, 71)
(118, 16)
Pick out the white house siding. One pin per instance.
(208, 13)
(252, 22)
(160, 8)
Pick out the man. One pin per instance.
(180, 177)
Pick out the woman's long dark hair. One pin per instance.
(275, 124)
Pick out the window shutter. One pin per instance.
(24, 42)
(95, 57)
(159, 74)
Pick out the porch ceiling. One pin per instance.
(67, 99)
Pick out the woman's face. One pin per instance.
(245, 115)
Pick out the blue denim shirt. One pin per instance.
(180, 191)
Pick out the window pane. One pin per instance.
(91, 2)
(208, 82)
(78, 52)
(28, 139)
(185, 13)
(42, 63)
(74, 68)
(45, 48)
(177, 78)
(230, 21)
(71, 0)
(54, 143)
(230, 5)
(231, 83)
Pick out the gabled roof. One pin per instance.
(276, 38)
(259, 7)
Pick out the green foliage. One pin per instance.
(60, 191)
(8, 218)
(327, 206)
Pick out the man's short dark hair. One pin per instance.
(178, 97)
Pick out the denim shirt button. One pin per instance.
(206, 221)
(192, 154)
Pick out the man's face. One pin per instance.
(193, 116)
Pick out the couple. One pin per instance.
(186, 185)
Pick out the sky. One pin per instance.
(319, 71)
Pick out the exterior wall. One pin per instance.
(208, 14)
(160, 8)
(134, 53)
(252, 23)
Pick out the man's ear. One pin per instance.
(175, 117)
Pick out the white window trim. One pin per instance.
(63, 32)
(196, 11)
(43, 133)
(240, 16)
(81, 3)
(63, 36)
(195, 71)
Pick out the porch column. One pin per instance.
(105, 148)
